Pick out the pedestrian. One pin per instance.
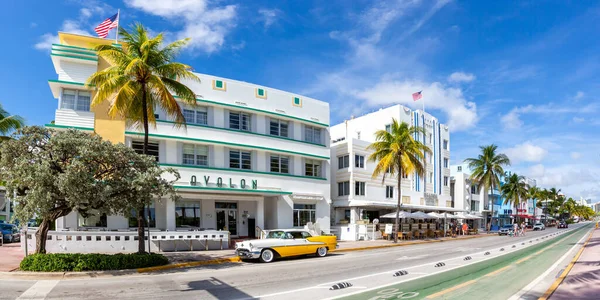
(516, 229)
(465, 228)
(523, 228)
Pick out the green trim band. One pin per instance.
(74, 47)
(240, 171)
(225, 143)
(75, 52)
(75, 57)
(238, 107)
(242, 131)
(230, 189)
(68, 82)
(69, 127)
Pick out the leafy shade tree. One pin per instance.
(514, 191)
(143, 77)
(55, 173)
(397, 152)
(486, 169)
(9, 123)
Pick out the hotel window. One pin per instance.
(312, 134)
(445, 144)
(280, 164)
(239, 121)
(389, 191)
(430, 138)
(187, 214)
(304, 213)
(359, 188)
(195, 155)
(430, 177)
(388, 128)
(343, 161)
(197, 116)
(359, 161)
(150, 213)
(312, 168)
(75, 99)
(278, 128)
(344, 188)
(152, 150)
(240, 160)
(459, 169)
(445, 162)
(445, 180)
(405, 199)
(473, 189)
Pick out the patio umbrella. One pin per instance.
(402, 215)
(422, 215)
(438, 216)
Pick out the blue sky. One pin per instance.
(521, 74)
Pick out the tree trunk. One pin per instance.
(140, 219)
(141, 245)
(399, 202)
(41, 236)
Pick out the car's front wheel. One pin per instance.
(267, 256)
(322, 252)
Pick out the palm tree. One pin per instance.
(9, 123)
(397, 152)
(487, 168)
(142, 77)
(514, 190)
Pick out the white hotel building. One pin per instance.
(250, 156)
(356, 196)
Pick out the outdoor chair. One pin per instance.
(416, 234)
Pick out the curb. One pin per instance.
(190, 264)
(564, 274)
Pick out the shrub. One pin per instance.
(61, 262)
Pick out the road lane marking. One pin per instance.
(39, 290)
(536, 281)
(498, 271)
(456, 287)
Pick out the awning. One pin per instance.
(402, 215)
(523, 216)
(383, 204)
(422, 215)
(306, 197)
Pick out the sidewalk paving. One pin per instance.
(583, 281)
(10, 257)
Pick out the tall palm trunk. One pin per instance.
(141, 212)
(399, 203)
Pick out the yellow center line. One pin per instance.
(456, 287)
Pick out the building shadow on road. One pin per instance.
(217, 289)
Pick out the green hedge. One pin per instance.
(61, 262)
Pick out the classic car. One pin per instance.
(285, 243)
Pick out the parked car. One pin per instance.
(285, 243)
(10, 233)
(539, 226)
(506, 229)
(563, 224)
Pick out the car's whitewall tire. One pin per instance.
(322, 252)
(267, 256)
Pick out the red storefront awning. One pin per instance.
(524, 216)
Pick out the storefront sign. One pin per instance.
(219, 183)
(388, 228)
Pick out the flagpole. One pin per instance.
(118, 23)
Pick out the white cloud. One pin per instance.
(461, 77)
(527, 152)
(461, 113)
(575, 155)
(269, 16)
(205, 24)
(578, 119)
(579, 95)
(70, 26)
(512, 120)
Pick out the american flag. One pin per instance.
(108, 24)
(417, 96)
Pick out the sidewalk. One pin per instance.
(10, 257)
(583, 280)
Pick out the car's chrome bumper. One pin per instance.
(247, 254)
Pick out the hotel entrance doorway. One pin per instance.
(227, 217)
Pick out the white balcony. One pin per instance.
(74, 118)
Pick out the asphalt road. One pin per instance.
(302, 278)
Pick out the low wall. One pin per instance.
(127, 241)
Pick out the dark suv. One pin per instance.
(10, 233)
(563, 224)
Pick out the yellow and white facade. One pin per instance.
(250, 155)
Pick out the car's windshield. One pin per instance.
(5, 227)
(507, 226)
